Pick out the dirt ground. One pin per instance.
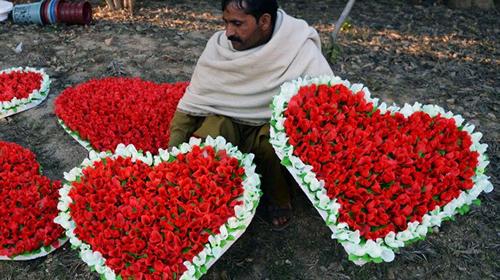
(403, 53)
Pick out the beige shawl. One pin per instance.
(241, 84)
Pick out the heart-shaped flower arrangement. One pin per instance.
(380, 176)
(27, 206)
(22, 89)
(100, 114)
(170, 216)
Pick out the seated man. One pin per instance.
(235, 80)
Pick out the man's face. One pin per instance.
(243, 30)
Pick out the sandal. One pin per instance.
(279, 217)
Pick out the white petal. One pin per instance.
(372, 249)
(458, 120)
(407, 110)
(387, 254)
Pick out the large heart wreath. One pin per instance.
(168, 216)
(22, 89)
(380, 176)
(100, 114)
(27, 207)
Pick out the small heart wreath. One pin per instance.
(22, 89)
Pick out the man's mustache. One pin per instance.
(234, 39)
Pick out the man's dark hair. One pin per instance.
(255, 8)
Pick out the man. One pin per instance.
(235, 80)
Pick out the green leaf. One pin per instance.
(411, 241)
(464, 209)
(203, 269)
(445, 219)
(373, 111)
(209, 231)
(273, 123)
(286, 161)
(346, 25)
(353, 258)
(477, 202)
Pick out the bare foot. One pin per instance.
(280, 216)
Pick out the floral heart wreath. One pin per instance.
(380, 176)
(22, 89)
(174, 214)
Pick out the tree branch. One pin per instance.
(341, 20)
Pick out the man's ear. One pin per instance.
(265, 22)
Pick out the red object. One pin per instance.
(146, 221)
(111, 111)
(56, 11)
(28, 205)
(45, 12)
(74, 13)
(384, 170)
(18, 84)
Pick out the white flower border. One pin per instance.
(218, 243)
(40, 252)
(15, 105)
(360, 250)
(86, 144)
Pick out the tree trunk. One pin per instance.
(118, 4)
(131, 6)
(111, 5)
(121, 4)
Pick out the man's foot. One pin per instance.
(279, 216)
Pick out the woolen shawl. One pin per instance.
(241, 84)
